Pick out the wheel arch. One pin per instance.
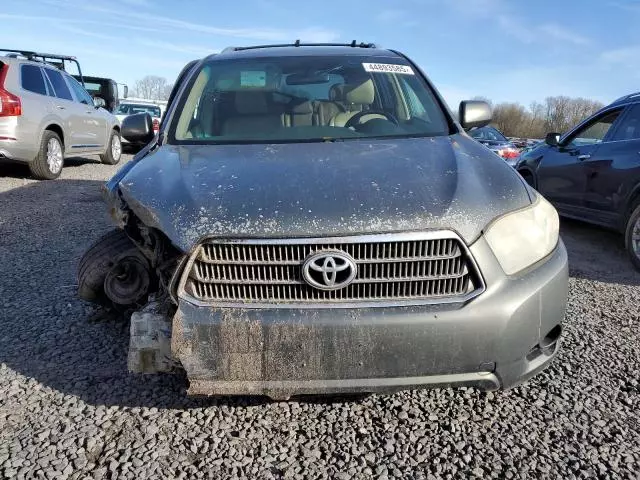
(54, 127)
(529, 176)
(632, 201)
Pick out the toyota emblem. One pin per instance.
(329, 270)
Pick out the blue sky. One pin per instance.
(505, 50)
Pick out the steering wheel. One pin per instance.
(353, 121)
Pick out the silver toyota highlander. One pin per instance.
(318, 222)
(47, 115)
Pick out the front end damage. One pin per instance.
(150, 339)
(151, 316)
(453, 320)
(284, 350)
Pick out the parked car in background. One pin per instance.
(592, 173)
(530, 145)
(47, 115)
(519, 143)
(312, 219)
(105, 88)
(130, 108)
(496, 142)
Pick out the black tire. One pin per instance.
(108, 157)
(40, 167)
(99, 260)
(633, 246)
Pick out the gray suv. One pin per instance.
(47, 115)
(318, 222)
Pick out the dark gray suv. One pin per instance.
(592, 172)
(312, 219)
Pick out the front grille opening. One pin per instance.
(387, 271)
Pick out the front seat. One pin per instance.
(356, 97)
(325, 110)
(253, 113)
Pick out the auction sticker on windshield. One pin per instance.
(387, 68)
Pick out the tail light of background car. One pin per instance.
(156, 125)
(509, 153)
(10, 104)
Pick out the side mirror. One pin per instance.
(552, 139)
(99, 102)
(138, 128)
(474, 113)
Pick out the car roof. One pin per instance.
(308, 50)
(631, 98)
(12, 60)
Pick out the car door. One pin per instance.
(93, 124)
(614, 170)
(562, 177)
(63, 105)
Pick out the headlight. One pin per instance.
(521, 238)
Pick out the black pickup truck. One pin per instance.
(105, 88)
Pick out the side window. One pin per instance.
(596, 131)
(416, 109)
(80, 93)
(59, 85)
(630, 127)
(32, 79)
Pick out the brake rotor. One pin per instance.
(127, 283)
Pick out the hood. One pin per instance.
(321, 189)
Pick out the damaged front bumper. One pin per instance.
(497, 340)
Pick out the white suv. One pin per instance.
(47, 115)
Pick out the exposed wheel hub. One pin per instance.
(127, 283)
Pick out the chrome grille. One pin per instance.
(416, 268)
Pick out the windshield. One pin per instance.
(92, 88)
(488, 133)
(307, 98)
(130, 109)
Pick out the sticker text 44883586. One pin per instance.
(387, 68)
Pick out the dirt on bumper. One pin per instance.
(280, 353)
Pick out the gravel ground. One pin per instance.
(69, 409)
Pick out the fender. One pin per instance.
(51, 120)
(110, 188)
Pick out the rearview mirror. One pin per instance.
(552, 139)
(138, 128)
(301, 79)
(99, 102)
(474, 113)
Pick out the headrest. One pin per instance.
(302, 108)
(336, 93)
(251, 102)
(360, 94)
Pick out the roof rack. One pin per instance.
(626, 97)
(298, 43)
(45, 58)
